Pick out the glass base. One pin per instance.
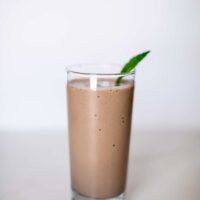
(77, 196)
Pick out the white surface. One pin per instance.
(163, 165)
(39, 38)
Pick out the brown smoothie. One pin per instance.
(99, 134)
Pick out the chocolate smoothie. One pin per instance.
(99, 133)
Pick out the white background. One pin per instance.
(39, 38)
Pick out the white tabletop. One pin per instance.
(164, 165)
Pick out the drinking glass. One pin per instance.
(99, 129)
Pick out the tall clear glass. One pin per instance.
(99, 123)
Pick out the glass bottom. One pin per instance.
(77, 196)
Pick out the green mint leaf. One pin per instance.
(133, 62)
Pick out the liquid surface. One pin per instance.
(101, 84)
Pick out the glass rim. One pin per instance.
(69, 69)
